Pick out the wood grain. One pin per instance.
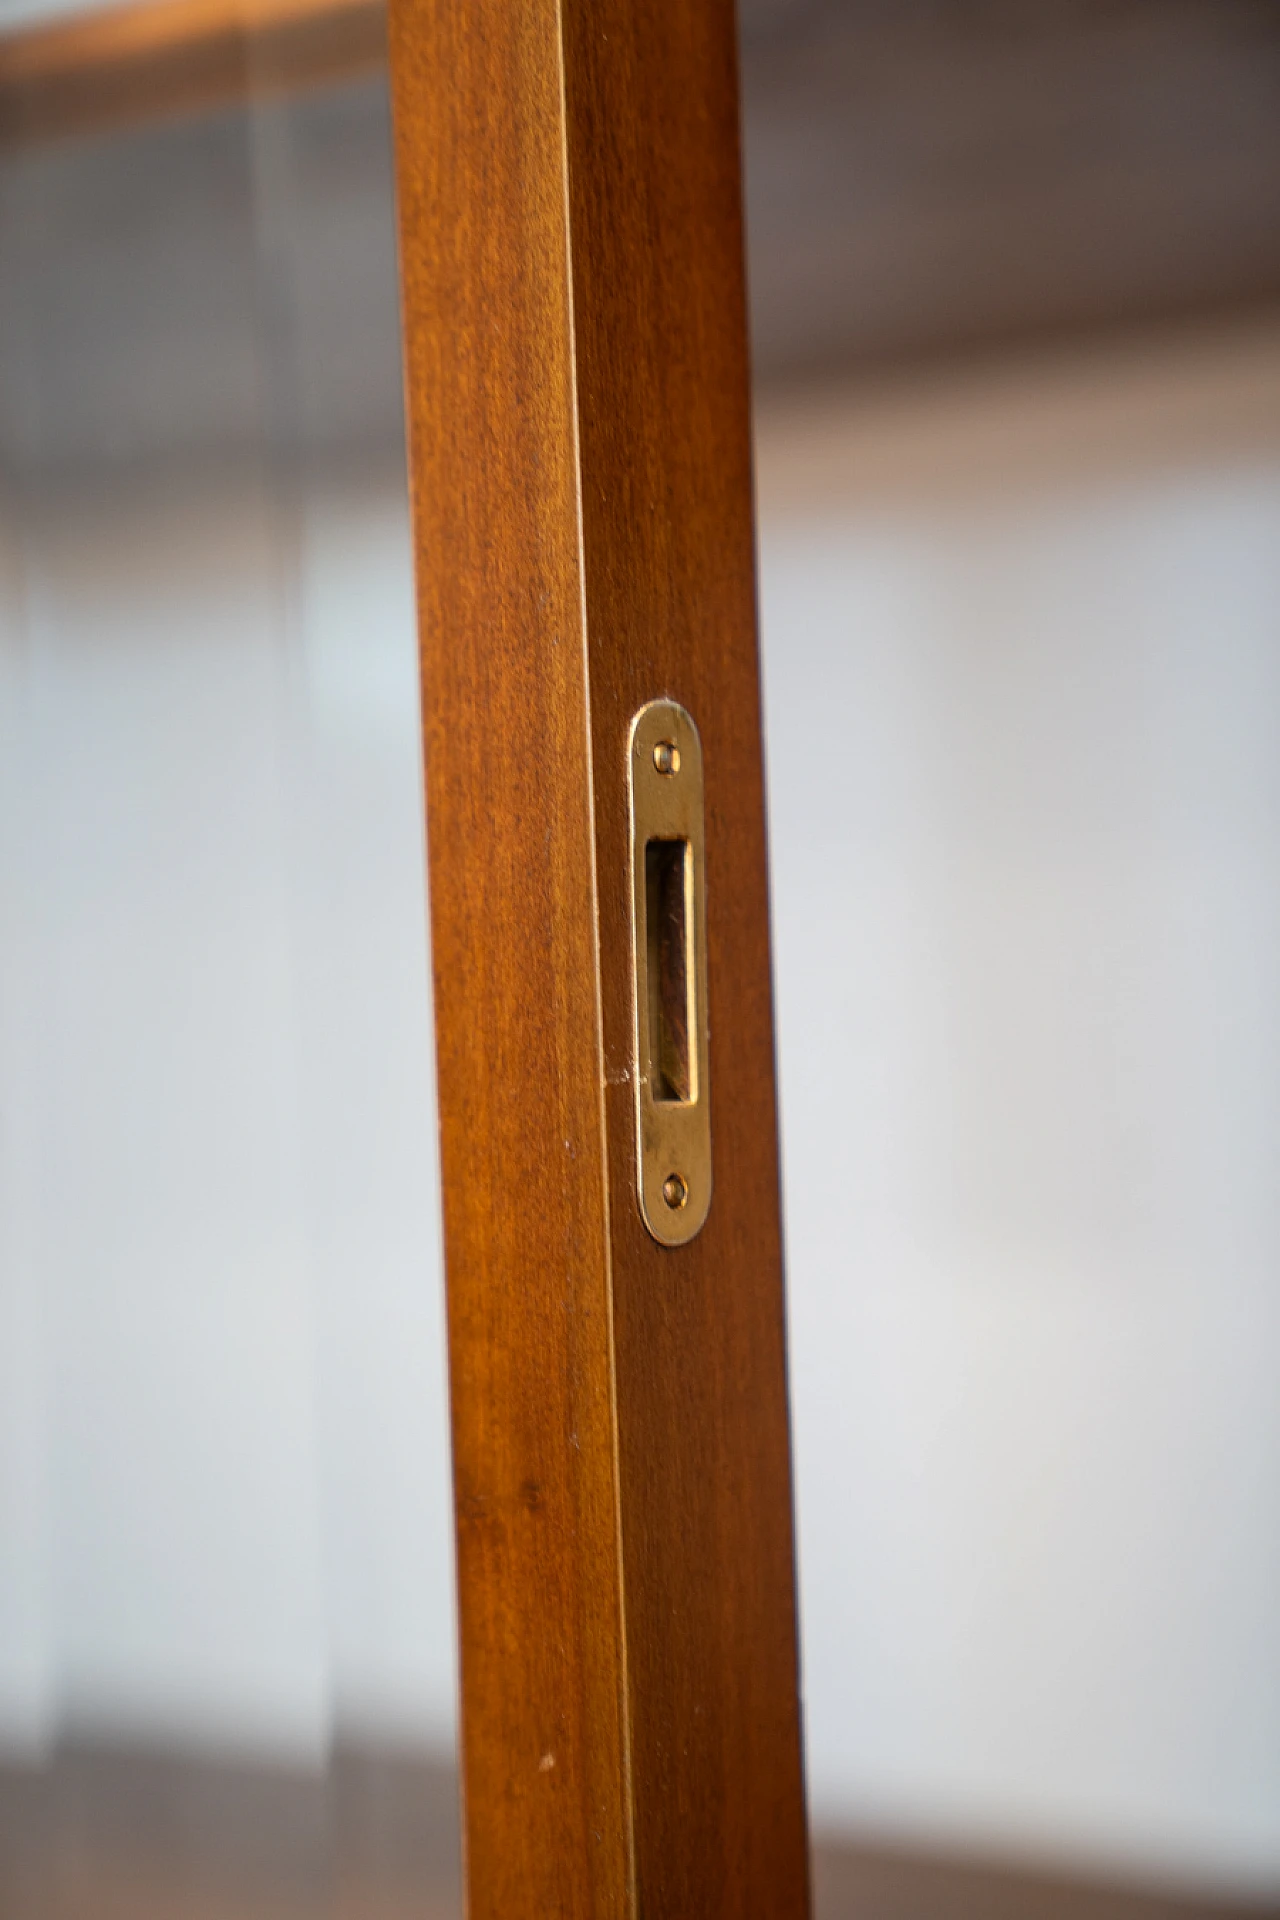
(580, 460)
(489, 392)
(666, 464)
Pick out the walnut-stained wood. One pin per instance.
(580, 460)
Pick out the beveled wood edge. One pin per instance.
(156, 60)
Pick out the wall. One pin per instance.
(1022, 686)
(228, 1481)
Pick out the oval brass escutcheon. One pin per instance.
(669, 974)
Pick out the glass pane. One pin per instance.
(226, 1639)
(1022, 654)
(1017, 347)
(1022, 678)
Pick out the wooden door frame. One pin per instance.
(580, 457)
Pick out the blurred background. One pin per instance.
(1015, 279)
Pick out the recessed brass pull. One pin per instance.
(669, 986)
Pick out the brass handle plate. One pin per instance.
(669, 973)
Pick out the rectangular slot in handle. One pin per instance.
(669, 941)
(668, 885)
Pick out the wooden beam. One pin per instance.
(580, 457)
(95, 72)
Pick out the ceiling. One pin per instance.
(925, 179)
(938, 176)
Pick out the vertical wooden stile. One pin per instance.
(580, 455)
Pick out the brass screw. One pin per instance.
(675, 1191)
(666, 758)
